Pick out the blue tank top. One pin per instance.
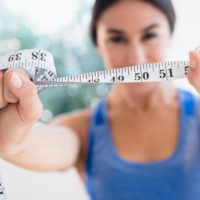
(110, 177)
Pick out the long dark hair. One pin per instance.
(100, 5)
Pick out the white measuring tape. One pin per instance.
(39, 64)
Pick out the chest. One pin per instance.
(148, 137)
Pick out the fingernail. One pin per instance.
(16, 81)
(192, 62)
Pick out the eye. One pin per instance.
(118, 39)
(149, 36)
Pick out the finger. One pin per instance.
(3, 103)
(193, 74)
(30, 107)
(194, 59)
(8, 95)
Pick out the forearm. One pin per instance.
(47, 148)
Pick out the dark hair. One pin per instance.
(100, 5)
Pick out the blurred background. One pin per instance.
(62, 27)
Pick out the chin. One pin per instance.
(139, 88)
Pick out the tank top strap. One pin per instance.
(98, 115)
(95, 140)
(189, 103)
(97, 129)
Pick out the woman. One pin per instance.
(141, 142)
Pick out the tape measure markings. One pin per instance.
(40, 66)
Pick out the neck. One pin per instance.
(161, 93)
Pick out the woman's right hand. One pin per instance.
(21, 109)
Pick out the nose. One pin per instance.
(136, 54)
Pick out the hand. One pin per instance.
(193, 74)
(21, 108)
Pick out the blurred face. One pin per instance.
(133, 32)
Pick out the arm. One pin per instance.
(50, 147)
(23, 140)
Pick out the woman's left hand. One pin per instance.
(193, 74)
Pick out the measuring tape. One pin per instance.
(39, 64)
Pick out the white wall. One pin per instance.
(26, 185)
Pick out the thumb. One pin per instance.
(29, 106)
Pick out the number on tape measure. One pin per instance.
(40, 65)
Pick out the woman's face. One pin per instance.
(133, 32)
